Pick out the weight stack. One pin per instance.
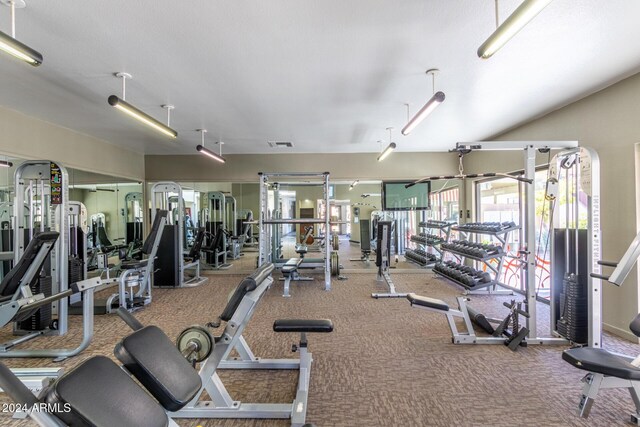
(76, 270)
(42, 318)
(574, 310)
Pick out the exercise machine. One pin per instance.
(588, 175)
(365, 242)
(134, 218)
(135, 275)
(172, 265)
(269, 224)
(383, 259)
(166, 373)
(22, 300)
(607, 370)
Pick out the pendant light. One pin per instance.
(13, 47)
(203, 150)
(392, 146)
(432, 103)
(140, 115)
(520, 17)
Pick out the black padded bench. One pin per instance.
(605, 371)
(291, 266)
(303, 325)
(290, 272)
(427, 302)
(96, 393)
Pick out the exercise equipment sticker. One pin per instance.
(56, 184)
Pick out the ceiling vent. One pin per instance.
(280, 144)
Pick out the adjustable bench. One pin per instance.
(467, 313)
(606, 370)
(290, 272)
(98, 392)
(151, 357)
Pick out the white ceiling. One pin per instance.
(328, 75)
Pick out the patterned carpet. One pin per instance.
(385, 364)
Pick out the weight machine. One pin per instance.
(216, 218)
(171, 261)
(385, 230)
(133, 217)
(42, 188)
(269, 222)
(588, 174)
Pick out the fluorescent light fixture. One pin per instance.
(353, 184)
(5, 164)
(141, 116)
(431, 105)
(387, 151)
(510, 27)
(207, 152)
(19, 50)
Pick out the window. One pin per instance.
(502, 199)
(445, 204)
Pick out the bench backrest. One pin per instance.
(42, 241)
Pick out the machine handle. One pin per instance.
(608, 263)
(129, 319)
(599, 276)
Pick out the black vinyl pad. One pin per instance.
(602, 362)
(291, 265)
(156, 362)
(303, 325)
(101, 394)
(427, 302)
(133, 264)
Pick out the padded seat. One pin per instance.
(156, 362)
(303, 325)
(101, 394)
(134, 264)
(601, 361)
(291, 265)
(302, 249)
(436, 304)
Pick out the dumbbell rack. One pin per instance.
(501, 236)
(422, 243)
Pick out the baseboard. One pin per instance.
(622, 333)
(357, 242)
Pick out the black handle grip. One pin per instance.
(599, 276)
(129, 319)
(608, 263)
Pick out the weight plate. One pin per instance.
(201, 337)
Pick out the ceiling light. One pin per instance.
(432, 103)
(353, 184)
(203, 150)
(139, 115)
(10, 45)
(5, 164)
(510, 27)
(392, 146)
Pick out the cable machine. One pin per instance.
(269, 222)
(216, 217)
(576, 296)
(43, 187)
(133, 217)
(585, 179)
(171, 265)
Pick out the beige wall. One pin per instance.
(29, 138)
(608, 122)
(245, 168)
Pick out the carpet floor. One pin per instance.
(385, 364)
